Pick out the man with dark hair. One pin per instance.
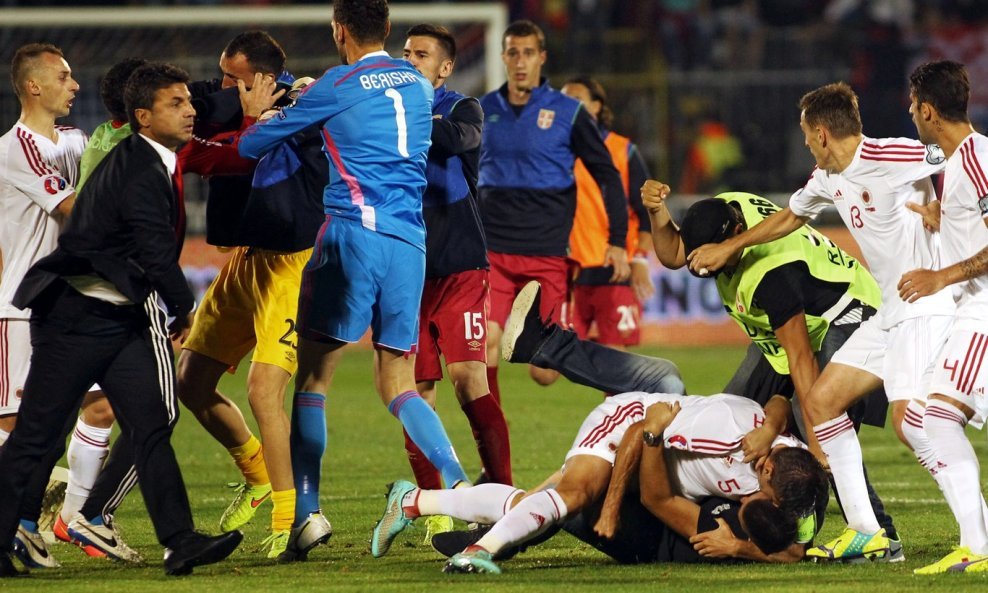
(533, 135)
(268, 218)
(95, 518)
(109, 133)
(249, 52)
(367, 21)
(874, 183)
(93, 303)
(368, 265)
(89, 445)
(798, 297)
(612, 307)
(453, 313)
(938, 93)
(605, 453)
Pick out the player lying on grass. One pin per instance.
(671, 528)
(704, 444)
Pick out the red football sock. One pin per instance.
(492, 384)
(490, 430)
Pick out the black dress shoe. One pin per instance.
(196, 549)
(7, 568)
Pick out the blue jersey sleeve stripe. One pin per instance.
(367, 215)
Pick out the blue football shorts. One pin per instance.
(358, 278)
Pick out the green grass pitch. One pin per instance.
(365, 452)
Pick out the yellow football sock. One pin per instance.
(283, 514)
(249, 457)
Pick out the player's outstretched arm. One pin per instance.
(665, 234)
(626, 465)
(714, 256)
(315, 105)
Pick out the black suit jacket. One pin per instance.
(122, 228)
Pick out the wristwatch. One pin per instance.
(651, 439)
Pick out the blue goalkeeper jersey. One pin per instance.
(376, 118)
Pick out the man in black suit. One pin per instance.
(94, 303)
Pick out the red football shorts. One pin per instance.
(510, 273)
(613, 308)
(453, 322)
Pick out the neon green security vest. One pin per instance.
(825, 261)
(105, 137)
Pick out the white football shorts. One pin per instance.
(901, 355)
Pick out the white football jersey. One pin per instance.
(871, 196)
(36, 174)
(963, 210)
(703, 447)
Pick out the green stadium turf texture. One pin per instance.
(365, 452)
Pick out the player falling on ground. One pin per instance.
(873, 183)
(691, 440)
(799, 298)
(368, 266)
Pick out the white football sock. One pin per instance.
(912, 429)
(529, 518)
(840, 443)
(960, 473)
(484, 503)
(87, 450)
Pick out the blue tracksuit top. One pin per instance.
(455, 235)
(531, 150)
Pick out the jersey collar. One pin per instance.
(375, 54)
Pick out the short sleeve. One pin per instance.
(29, 174)
(811, 199)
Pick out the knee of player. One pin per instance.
(153, 436)
(577, 495)
(470, 382)
(98, 413)
(264, 396)
(817, 407)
